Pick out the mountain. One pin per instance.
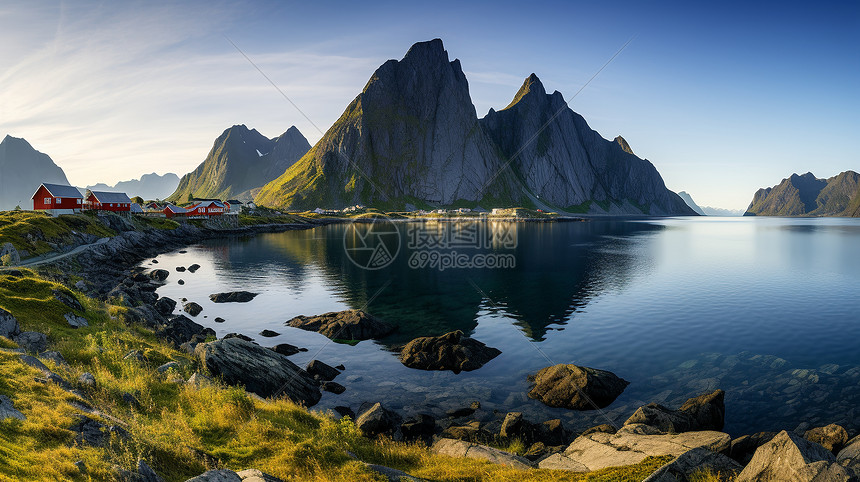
(806, 195)
(22, 170)
(412, 137)
(240, 161)
(709, 211)
(412, 134)
(149, 186)
(689, 200)
(560, 159)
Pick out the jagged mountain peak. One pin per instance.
(532, 87)
(624, 145)
(807, 195)
(22, 169)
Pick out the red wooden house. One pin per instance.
(172, 211)
(108, 201)
(207, 208)
(57, 198)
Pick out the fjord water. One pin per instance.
(767, 309)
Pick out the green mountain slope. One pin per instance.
(806, 195)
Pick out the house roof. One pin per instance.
(110, 197)
(234, 201)
(205, 204)
(60, 190)
(176, 209)
(135, 208)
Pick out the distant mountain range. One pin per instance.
(707, 210)
(241, 161)
(412, 138)
(806, 195)
(149, 186)
(22, 170)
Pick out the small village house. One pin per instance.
(233, 205)
(207, 208)
(57, 199)
(171, 211)
(107, 201)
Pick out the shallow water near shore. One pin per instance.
(767, 309)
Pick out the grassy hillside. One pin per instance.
(182, 429)
(35, 233)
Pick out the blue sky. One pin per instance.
(723, 98)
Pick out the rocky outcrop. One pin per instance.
(7, 410)
(685, 467)
(180, 329)
(806, 195)
(461, 448)
(575, 387)
(791, 457)
(241, 160)
(631, 445)
(233, 297)
(450, 351)
(743, 448)
(344, 325)
(322, 371)
(850, 456)
(259, 370)
(8, 324)
(31, 341)
(705, 412)
(192, 308)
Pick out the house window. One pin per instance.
(47, 200)
(79, 201)
(59, 200)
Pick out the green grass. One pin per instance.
(33, 233)
(177, 422)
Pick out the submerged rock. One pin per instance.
(450, 351)
(322, 371)
(576, 388)
(233, 297)
(192, 308)
(259, 370)
(344, 325)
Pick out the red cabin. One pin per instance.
(172, 211)
(207, 208)
(108, 201)
(57, 198)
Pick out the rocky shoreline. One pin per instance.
(691, 435)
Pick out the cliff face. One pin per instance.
(806, 195)
(240, 160)
(689, 200)
(22, 170)
(412, 137)
(564, 162)
(412, 134)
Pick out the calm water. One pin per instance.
(675, 306)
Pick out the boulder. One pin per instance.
(460, 448)
(629, 446)
(377, 420)
(180, 329)
(233, 297)
(31, 341)
(743, 448)
(549, 433)
(87, 379)
(165, 306)
(180, 269)
(258, 369)
(463, 411)
(220, 475)
(850, 456)
(344, 325)
(171, 365)
(788, 456)
(194, 267)
(321, 371)
(54, 356)
(8, 324)
(269, 334)
(684, 466)
(419, 427)
(254, 475)
(285, 349)
(832, 437)
(218, 319)
(9, 256)
(159, 274)
(450, 351)
(705, 412)
(192, 308)
(7, 410)
(146, 473)
(576, 388)
(68, 299)
(333, 387)
(76, 321)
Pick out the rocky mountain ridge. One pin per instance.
(806, 195)
(22, 170)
